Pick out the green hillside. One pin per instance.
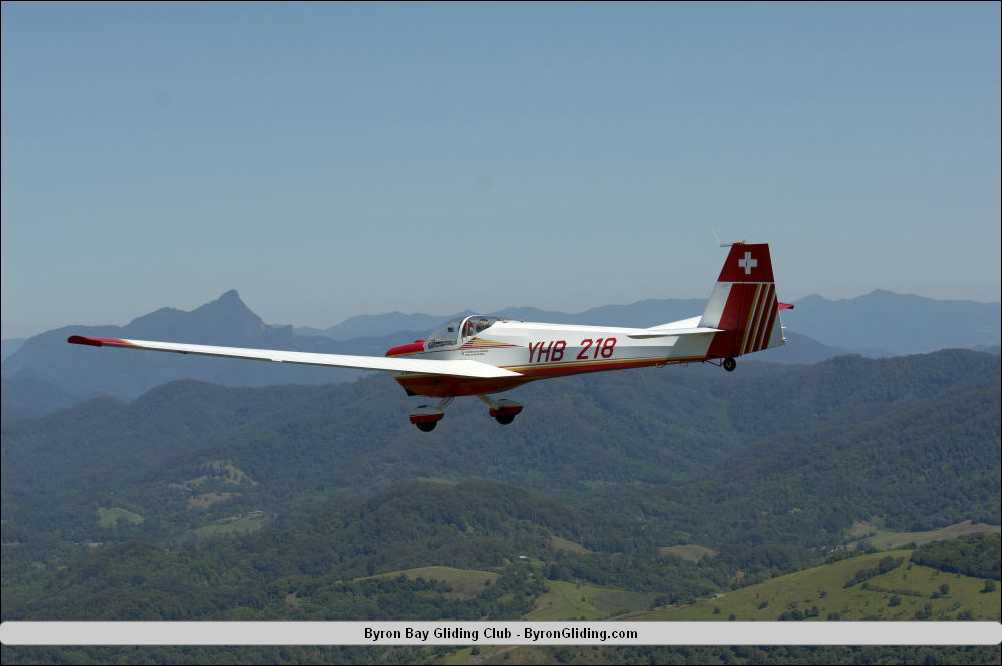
(314, 568)
(113, 516)
(885, 539)
(557, 600)
(687, 455)
(461, 582)
(907, 592)
(642, 655)
(658, 489)
(569, 601)
(375, 557)
(688, 551)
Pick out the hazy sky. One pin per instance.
(331, 160)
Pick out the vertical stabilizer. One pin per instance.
(744, 304)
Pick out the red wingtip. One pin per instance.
(81, 340)
(96, 342)
(786, 306)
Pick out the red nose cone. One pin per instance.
(409, 348)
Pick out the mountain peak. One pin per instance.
(228, 307)
(226, 320)
(231, 297)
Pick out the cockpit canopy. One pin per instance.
(458, 330)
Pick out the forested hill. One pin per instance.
(680, 451)
(610, 494)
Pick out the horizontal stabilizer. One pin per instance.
(668, 332)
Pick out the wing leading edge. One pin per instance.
(457, 368)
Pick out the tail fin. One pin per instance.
(743, 304)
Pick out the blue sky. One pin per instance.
(332, 160)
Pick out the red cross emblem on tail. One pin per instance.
(747, 262)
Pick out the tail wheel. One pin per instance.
(730, 364)
(504, 419)
(426, 426)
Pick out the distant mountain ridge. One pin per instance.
(46, 362)
(892, 323)
(9, 346)
(648, 312)
(224, 321)
(879, 323)
(44, 373)
(378, 324)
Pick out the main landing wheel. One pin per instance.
(730, 364)
(426, 417)
(503, 411)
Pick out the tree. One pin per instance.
(924, 613)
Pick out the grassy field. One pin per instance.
(560, 543)
(206, 500)
(689, 551)
(114, 515)
(562, 601)
(567, 601)
(886, 539)
(436, 479)
(233, 525)
(507, 654)
(464, 582)
(911, 586)
(220, 470)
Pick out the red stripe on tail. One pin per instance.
(768, 318)
(733, 321)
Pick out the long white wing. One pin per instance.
(458, 368)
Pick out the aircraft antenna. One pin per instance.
(724, 243)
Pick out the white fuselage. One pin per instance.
(539, 350)
(525, 345)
